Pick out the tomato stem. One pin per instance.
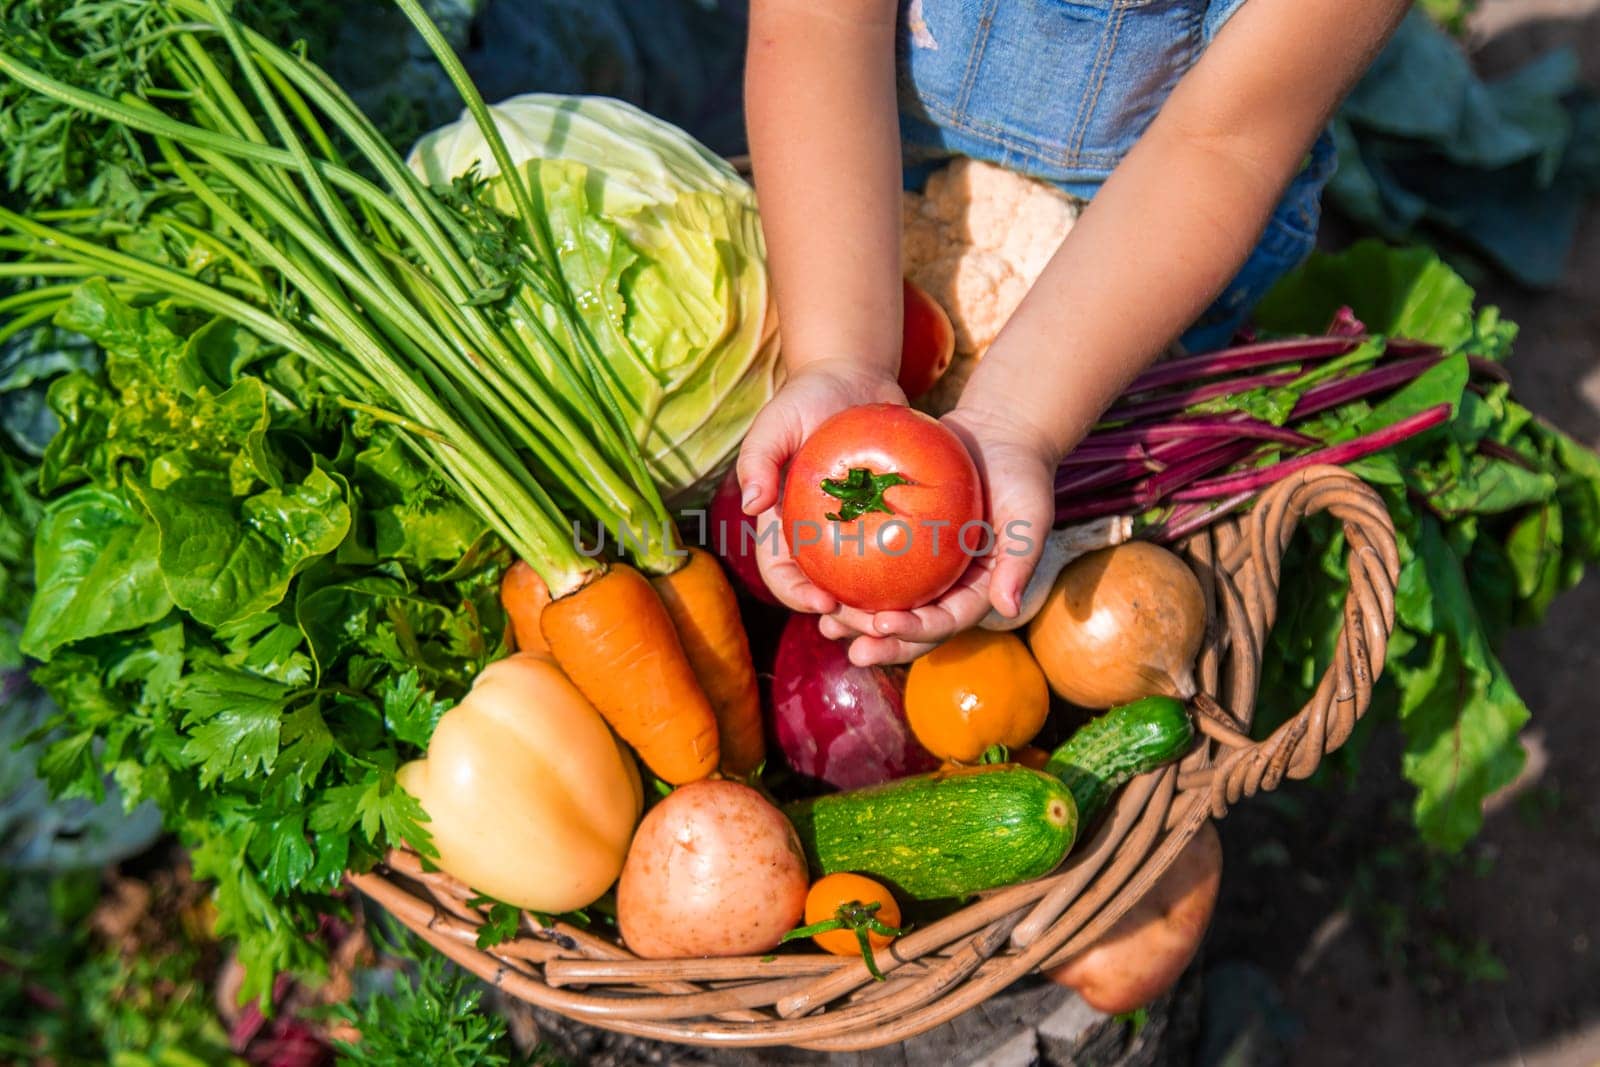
(858, 918)
(859, 492)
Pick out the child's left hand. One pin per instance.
(1018, 470)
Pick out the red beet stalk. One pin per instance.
(1193, 427)
(1185, 519)
(1092, 453)
(1083, 509)
(1343, 390)
(1149, 489)
(1075, 481)
(1241, 358)
(1187, 398)
(1259, 478)
(1157, 487)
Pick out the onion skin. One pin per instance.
(1119, 625)
(731, 536)
(836, 722)
(1145, 953)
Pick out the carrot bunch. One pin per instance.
(665, 660)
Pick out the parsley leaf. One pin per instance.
(501, 923)
(409, 712)
(237, 720)
(378, 806)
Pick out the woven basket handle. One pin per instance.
(1245, 561)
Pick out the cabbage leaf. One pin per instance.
(660, 246)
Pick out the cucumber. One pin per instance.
(1125, 741)
(942, 835)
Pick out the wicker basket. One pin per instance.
(938, 971)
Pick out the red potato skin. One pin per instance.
(1144, 954)
(714, 870)
(900, 561)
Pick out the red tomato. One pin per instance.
(927, 342)
(883, 509)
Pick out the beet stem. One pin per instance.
(1259, 478)
(1162, 405)
(1242, 357)
(1081, 509)
(1344, 390)
(1193, 427)
(1158, 487)
(1185, 519)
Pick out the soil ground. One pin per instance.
(1337, 941)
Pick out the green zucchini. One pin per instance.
(1125, 741)
(945, 834)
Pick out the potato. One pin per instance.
(1145, 952)
(714, 870)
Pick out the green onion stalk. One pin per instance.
(404, 296)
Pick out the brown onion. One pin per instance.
(1122, 623)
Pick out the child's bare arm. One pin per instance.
(825, 145)
(1168, 230)
(1180, 215)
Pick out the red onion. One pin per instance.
(842, 724)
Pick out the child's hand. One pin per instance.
(817, 391)
(1018, 470)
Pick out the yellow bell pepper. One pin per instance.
(531, 798)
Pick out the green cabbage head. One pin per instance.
(661, 244)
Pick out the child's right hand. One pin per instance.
(814, 393)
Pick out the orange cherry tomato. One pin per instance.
(978, 689)
(829, 893)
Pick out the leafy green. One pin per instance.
(412, 518)
(226, 629)
(1495, 494)
(1399, 292)
(226, 558)
(1504, 167)
(430, 1012)
(95, 556)
(1458, 709)
(661, 241)
(233, 721)
(502, 922)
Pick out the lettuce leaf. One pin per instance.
(95, 555)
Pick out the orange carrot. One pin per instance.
(705, 611)
(615, 640)
(524, 596)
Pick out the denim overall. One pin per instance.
(1060, 90)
